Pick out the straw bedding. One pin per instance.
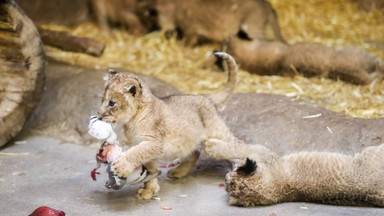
(333, 23)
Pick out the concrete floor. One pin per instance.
(57, 175)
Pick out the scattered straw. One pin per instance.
(312, 116)
(333, 23)
(13, 154)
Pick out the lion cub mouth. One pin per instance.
(108, 119)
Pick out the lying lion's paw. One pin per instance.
(146, 193)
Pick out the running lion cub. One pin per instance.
(169, 128)
(307, 176)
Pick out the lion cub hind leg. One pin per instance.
(151, 188)
(185, 166)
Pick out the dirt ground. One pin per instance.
(57, 174)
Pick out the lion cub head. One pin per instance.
(123, 95)
(252, 184)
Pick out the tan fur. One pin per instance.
(123, 12)
(258, 56)
(351, 64)
(217, 20)
(368, 5)
(169, 128)
(308, 176)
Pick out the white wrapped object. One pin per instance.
(101, 130)
(109, 152)
(140, 175)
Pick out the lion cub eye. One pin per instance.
(111, 103)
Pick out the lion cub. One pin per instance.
(216, 20)
(124, 12)
(350, 64)
(169, 128)
(323, 177)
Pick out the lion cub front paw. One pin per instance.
(148, 191)
(121, 167)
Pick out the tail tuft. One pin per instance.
(222, 96)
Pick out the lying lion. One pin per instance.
(264, 178)
(127, 13)
(216, 20)
(350, 64)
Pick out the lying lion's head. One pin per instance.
(251, 184)
(122, 97)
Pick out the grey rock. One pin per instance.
(280, 123)
(71, 96)
(285, 125)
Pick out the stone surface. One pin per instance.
(71, 96)
(280, 123)
(285, 125)
(57, 175)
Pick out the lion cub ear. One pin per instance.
(110, 75)
(248, 168)
(132, 90)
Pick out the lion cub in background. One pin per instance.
(217, 20)
(124, 12)
(169, 128)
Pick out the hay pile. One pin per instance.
(333, 23)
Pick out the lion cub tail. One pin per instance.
(219, 98)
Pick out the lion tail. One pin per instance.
(219, 98)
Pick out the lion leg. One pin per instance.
(134, 24)
(191, 39)
(220, 149)
(100, 14)
(137, 155)
(151, 188)
(185, 166)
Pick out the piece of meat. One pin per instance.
(107, 153)
(46, 211)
